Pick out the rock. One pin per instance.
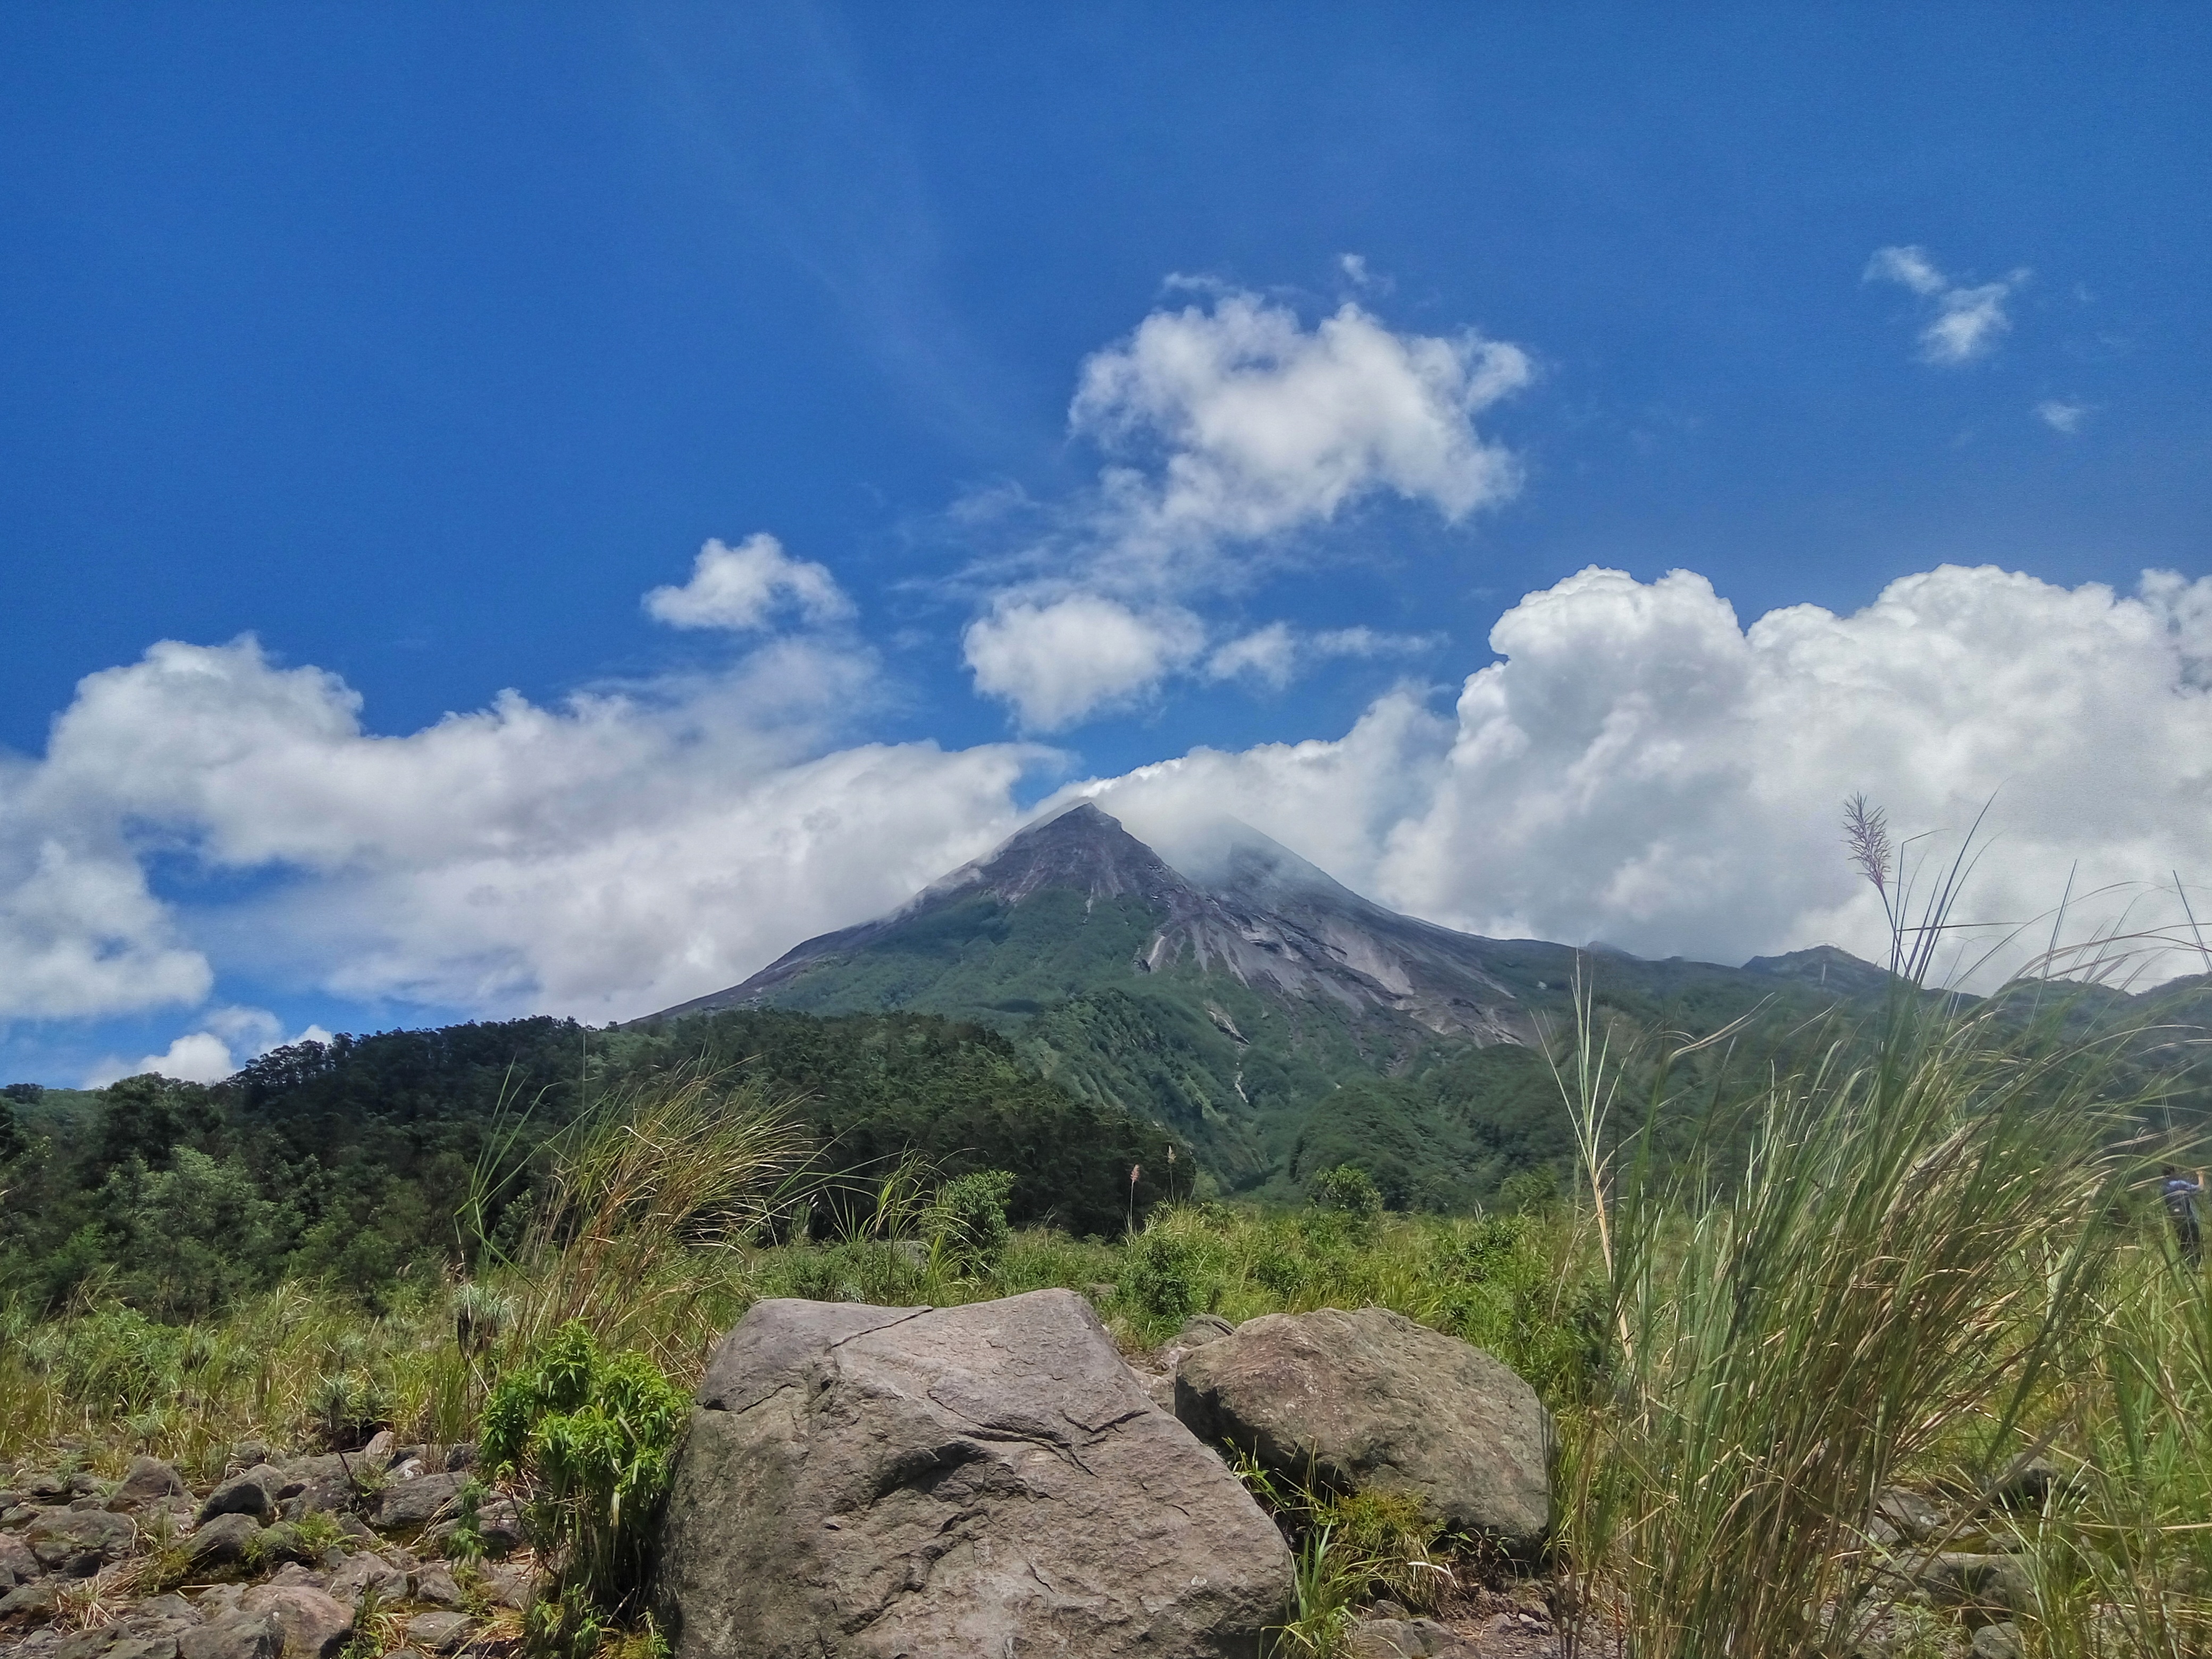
(438, 1632)
(1984, 1589)
(511, 1587)
(1999, 1641)
(36, 1601)
(1912, 1516)
(148, 1481)
(499, 1523)
(233, 1635)
(436, 1585)
(360, 1573)
(172, 1606)
(409, 1505)
(292, 1573)
(17, 1514)
(1199, 1329)
(1371, 1400)
(44, 1484)
(460, 1459)
(252, 1492)
(314, 1624)
(79, 1542)
(17, 1564)
(141, 1647)
(1403, 1638)
(222, 1542)
(2027, 1485)
(377, 1454)
(865, 1481)
(247, 1453)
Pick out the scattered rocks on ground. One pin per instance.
(1982, 1589)
(865, 1481)
(1999, 1641)
(1910, 1515)
(250, 1491)
(1372, 1401)
(77, 1543)
(412, 1505)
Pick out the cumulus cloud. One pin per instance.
(230, 1037)
(743, 587)
(1058, 661)
(617, 853)
(1229, 427)
(2061, 416)
(1968, 320)
(1643, 769)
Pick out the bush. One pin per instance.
(1349, 1188)
(593, 1436)
(970, 1218)
(1161, 1275)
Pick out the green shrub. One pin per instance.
(1348, 1188)
(593, 1436)
(1162, 1275)
(969, 1218)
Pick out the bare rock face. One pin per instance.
(1371, 1401)
(867, 1483)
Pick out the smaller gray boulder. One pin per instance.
(79, 1542)
(221, 1543)
(252, 1492)
(1371, 1401)
(233, 1635)
(148, 1481)
(410, 1505)
(17, 1564)
(438, 1632)
(314, 1625)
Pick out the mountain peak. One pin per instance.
(1082, 848)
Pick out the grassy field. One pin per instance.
(1925, 1259)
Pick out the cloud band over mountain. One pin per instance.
(1639, 767)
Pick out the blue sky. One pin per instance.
(420, 342)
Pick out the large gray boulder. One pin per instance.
(1370, 1400)
(865, 1483)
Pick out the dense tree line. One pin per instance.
(348, 1162)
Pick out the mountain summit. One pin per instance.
(1263, 916)
(1240, 995)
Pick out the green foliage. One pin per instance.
(1164, 1274)
(969, 1218)
(1349, 1188)
(593, 1436)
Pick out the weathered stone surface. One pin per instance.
(1984, 1589)
(253, 1492)
(358, 1574)
(148, 1481)
(141, 1647)
(1998, 1641)
(314, 1624)
(222, 1542)
(233, 1635)
(862, 1483)
(405, 1505)
(78, 1541)
(1371, 1401)
(36, 1601)
(436, 1585)
(438, 1632)
(1404, 1638)
(1199, 1329)
(17, 1564)
(1909, 1514)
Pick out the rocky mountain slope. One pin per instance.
(1279, 1021)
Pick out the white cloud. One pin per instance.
(1272, 654)
(1253, 424)
(742, 588)
(1968, 320)
(1641, 768)
(2062, 416)
(229, 1037)
(618, 853)
(1230, 427)
(1057, 661)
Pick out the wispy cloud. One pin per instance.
(2061, 416)
(1968, 320)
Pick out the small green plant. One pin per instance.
(465, 1543)
(968, 1222)
(1162, 1275)
(593, 1435)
